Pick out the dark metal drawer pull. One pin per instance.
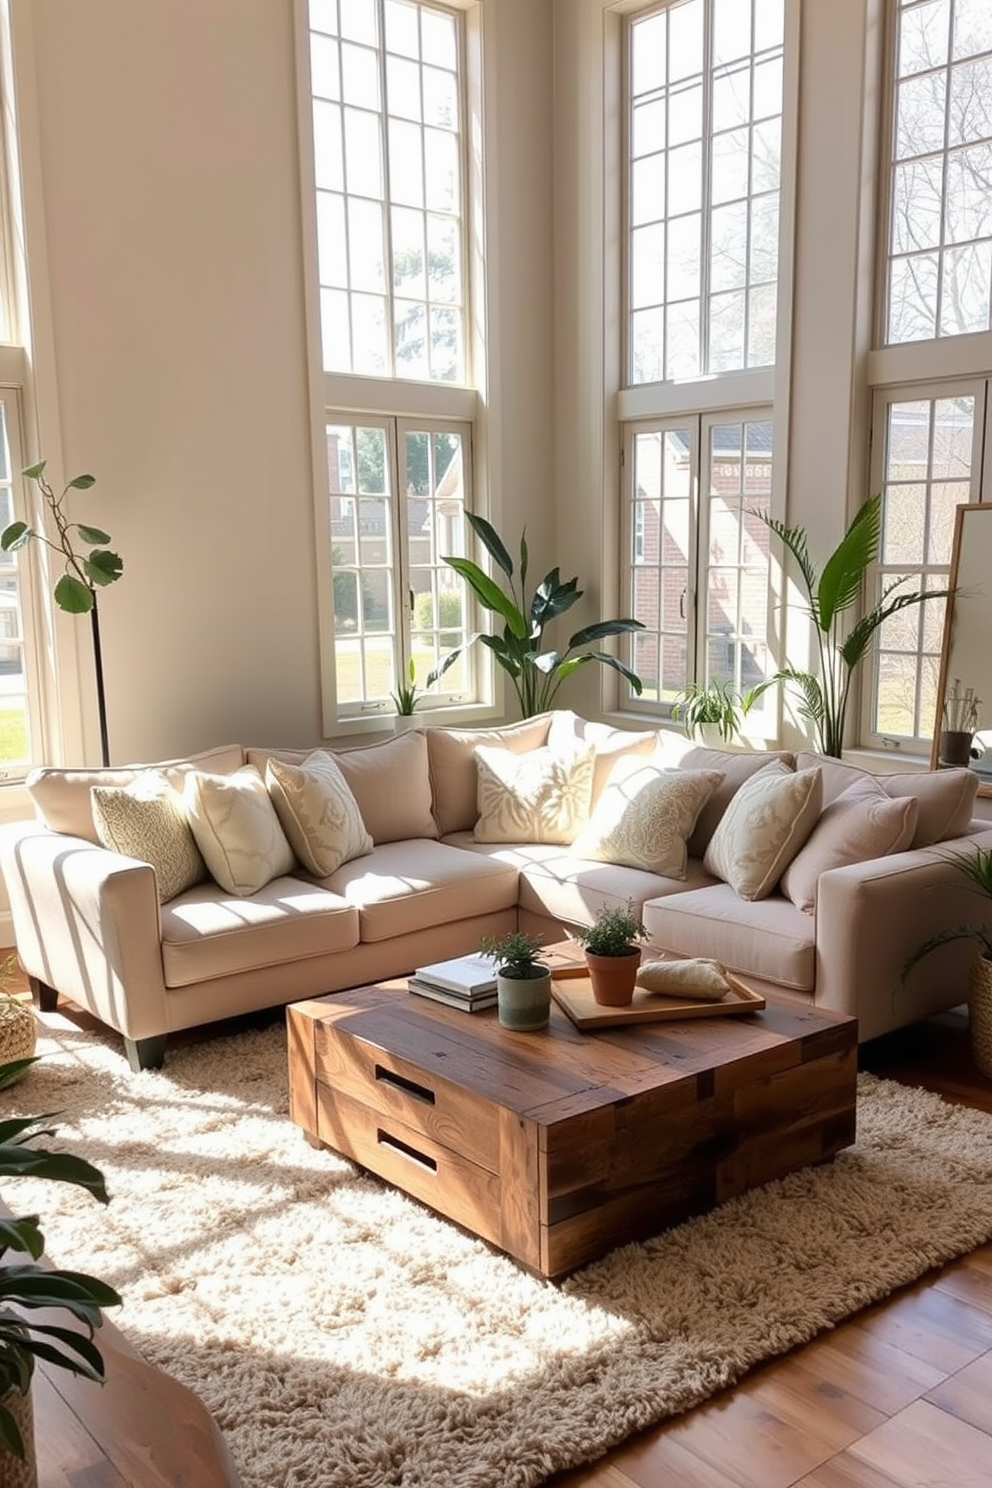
(420, 1158)
(389, 1077)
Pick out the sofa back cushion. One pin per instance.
(454, 776)
(62, 797)
(611, 744)
(863, 822)
(946, 797)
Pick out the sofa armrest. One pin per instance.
(871, 917)
(86, 922)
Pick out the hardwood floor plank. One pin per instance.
(968, 1396)
(970, 1279)
(923, 1447)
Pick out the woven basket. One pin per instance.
(18, 1030)
(980, 1013)
(15, 1472)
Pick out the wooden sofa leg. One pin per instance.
(45, 998)
(146, 1053)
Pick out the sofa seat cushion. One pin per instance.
(768, 938)
(208, 933)
(406, 886)
(564, 887)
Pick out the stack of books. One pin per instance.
(467, 982)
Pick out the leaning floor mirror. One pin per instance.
(963, 729)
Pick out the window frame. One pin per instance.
(27, 561)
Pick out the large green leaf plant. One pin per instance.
(24, 1286)
(535, 668)
(824, 695)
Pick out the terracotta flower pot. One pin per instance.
(613, 977)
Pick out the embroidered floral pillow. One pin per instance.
(645, 816)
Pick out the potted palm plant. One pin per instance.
(976, 868)
(824, 695)
(535, 668)
(25, 1287)
(523, 982)
(612, 953)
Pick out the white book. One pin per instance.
(473, 1004)
(464, 974)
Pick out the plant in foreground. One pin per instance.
(976, 868)
(535, 669)
(25, 1287)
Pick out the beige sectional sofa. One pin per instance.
(446, 856)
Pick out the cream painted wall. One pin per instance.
(169, 177)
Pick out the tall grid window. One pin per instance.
(396, 506)
(695, 492)
(939, 280)
(928, 463)
(704, 168)
(387, 133)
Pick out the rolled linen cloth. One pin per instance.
(696, 977)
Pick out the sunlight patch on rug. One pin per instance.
(346, 1337)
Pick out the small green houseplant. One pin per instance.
(824, 695)
(523, 981)
(83, 572)
(717, 705)
(976, 869)
(26, 1287)
(535, 668)
(406, 696)
(612, 953)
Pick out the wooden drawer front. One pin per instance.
(412, 1161)
(438, 1108)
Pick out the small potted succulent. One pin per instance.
(523, 981)
(612, 953)
(28, 1287)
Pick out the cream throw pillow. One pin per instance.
(237, 829)
(645, 816)
(540, 796)
(762, 829)
(863, 823)
(318, 812)
(147, 820)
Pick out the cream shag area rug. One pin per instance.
(345, 1337)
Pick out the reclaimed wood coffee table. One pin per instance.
(560, 1145)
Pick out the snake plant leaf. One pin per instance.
(491, 541)
(92, 535)
(15, 536)
(22, 1234)
(103, 567)
(844, 571)
(73, 596)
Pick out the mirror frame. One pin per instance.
(969, 511)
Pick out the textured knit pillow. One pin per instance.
(541, 796)
(318, 812)
(645, 816)
(147, 820)
(862, 823)
(237, 829)
(763, 828)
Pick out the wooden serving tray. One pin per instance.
(572, 991)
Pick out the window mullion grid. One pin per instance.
(345, 199)
(944, 166)
(706, 194)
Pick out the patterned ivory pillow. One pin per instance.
(237, 830)
(540, 796)
(318, 812)
(147, 820)
(763, 828)
(645, 816)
